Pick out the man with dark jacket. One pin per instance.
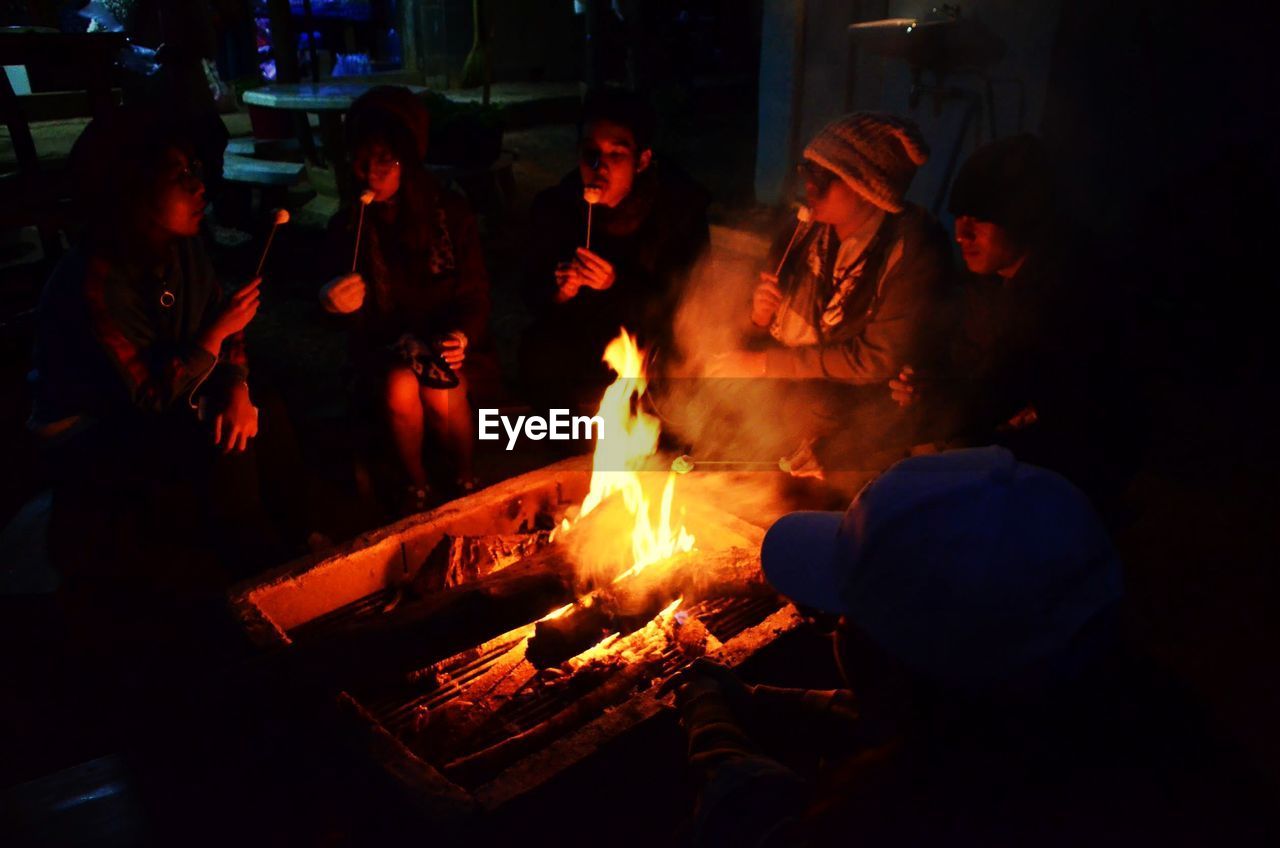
(1021, 370)
(610, 246)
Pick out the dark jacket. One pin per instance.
(1107, 762)
(106, 344)
(888, 318)
(423, 292)
(1017, 340)
(652, 238)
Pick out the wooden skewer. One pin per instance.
(365, 199)
(592, 196)
(282, 217)
(803, 216)
(685, 464)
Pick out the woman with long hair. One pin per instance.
(419, 293)
(141, 397)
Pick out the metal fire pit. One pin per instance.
(309, 599)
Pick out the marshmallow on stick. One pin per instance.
(803, 216)
(592, 195)
(366, 197)
(282, 217)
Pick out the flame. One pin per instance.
(645, 643)
(629, 438)
(557, 613)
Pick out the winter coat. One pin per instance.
(883, 318)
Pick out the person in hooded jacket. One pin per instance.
(419, 295)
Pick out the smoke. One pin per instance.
(753, 420)
(749, 424)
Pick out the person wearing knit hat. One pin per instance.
(849, 297)
(418, 294)
(875, 154)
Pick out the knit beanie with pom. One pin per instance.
(874, 153)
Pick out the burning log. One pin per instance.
(428, 629)
(458, 560)
(555, 640)
(629, 605)
(476, 766)
(612, 669)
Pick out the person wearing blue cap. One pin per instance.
(977, 598)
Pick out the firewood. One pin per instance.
(629, 604)
(476, 767)
(555, 640)
(458, 560)
(422, 631)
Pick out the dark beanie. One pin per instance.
(389, 104)
(1007, 182)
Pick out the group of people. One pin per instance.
(141, 383)
(143, 397)
(976, 591)
(884, 344)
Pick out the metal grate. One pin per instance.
(725, 618)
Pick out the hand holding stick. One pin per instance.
(282, 217)
(366, 198)
(803, 217)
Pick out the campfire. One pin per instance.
(575, 616)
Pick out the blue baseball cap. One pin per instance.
(967, 566)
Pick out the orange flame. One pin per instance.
(629, 438)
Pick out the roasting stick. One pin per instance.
(592, 195)
(803, 217)
(685, 464)
(282, 217)
(366, 198)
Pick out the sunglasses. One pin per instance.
(818, 176)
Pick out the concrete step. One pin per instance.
(243, 169)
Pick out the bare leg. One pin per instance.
(404, 417)
(448, 414)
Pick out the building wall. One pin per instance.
(536, 41)
(831, 86)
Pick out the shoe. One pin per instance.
(416, 499)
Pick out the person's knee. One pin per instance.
(444, 405)
(402, 393)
